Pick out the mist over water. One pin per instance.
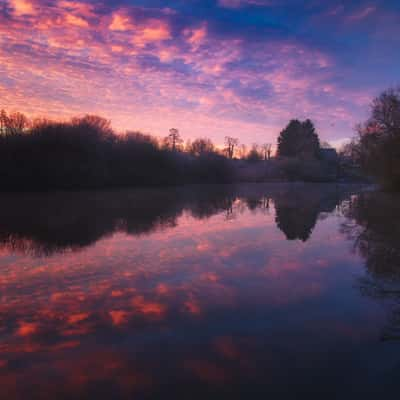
(205, 291)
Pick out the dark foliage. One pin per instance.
(299, 139)
(378, 144)
(255, 154)
(200, 146)
(86, 153)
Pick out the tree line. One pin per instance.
(86, 152)
(17, 123)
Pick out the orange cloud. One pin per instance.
(156, 31)
(27, 328)
(78, 8)
(93, 57)
(120, 22)
(118, 317)
(75, 318)
(195, 37)
(77, 21)
(22, 7)
(148, 307)
(153, 31)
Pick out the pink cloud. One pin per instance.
(153, 31)
(121, 22)
(121, 64)
(77, 21)
(78, 7)
(197, 36)
(22, 7)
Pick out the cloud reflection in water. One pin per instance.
(207, 291)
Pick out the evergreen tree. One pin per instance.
(298, 139)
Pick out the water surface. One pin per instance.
(200, 292)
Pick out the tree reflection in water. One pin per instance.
(43, 224)
(373, 225)
(297, 211)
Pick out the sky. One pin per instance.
(211, 68)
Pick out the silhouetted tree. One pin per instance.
(266, 149)
(350, 151)
(39, 122)
(94, 123)
(298, 139)
(3, 121)
(254, 153)
(379, 139)
(14, 123)
(231, 144)
(174, 140)
(200, 146)
(242, 151)
(85, 152)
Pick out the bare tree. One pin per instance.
(95, 123)
(386, 112)
(174, 139)
(13, 123)
(266, 149)
(3, 121)
(379, 139)
(242, 151)
(188, 146)
(231, 144)
(254, 153)
(201, 146)
(40, 122)
(350, 152)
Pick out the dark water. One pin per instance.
(291, 291)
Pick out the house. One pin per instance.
(329, 155)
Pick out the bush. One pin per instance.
(86, 153)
